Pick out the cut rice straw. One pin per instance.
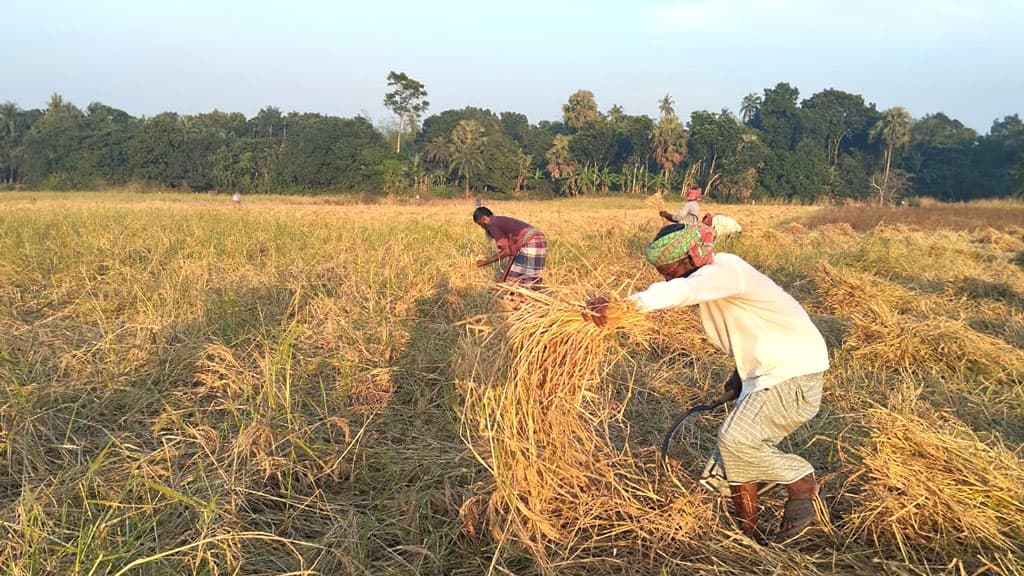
(565, 484)
(656, 201)
(933, 485)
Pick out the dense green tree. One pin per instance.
(515, 126)
(939, 156)
(11, 131)
(739, 168)
(634, 149)
(407, 100)
(778, 117)
(712, 138)
(108, 135)
(833, 145)
(594, 144)
(501, 169)
(540, 139)
(442, 124)
(997, 157)
(157, 154)
(798, 174)
(438, 152)
(836, 118)
(323, 152)
(267, 123)
(51, 152)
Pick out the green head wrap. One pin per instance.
(695, 240)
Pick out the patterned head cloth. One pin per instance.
(696, 240)
(693, 193)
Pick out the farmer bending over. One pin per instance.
(780, 357)
(524, 246)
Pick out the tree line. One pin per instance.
(831, 146)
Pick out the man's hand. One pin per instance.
(482, 262)
(597, 311)
(666, 215)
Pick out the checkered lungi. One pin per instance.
(529, 261)
(748, 440)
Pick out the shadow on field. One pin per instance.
(414, 471)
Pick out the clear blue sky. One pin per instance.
(959, 57)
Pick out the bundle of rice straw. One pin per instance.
(656, 201)
(933, 485)
(565, 484)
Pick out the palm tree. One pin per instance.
(669, 139)
(560, 163)
(749, 107)
(467, 149)
(525, 161)
(894, 130)
(580, 109)
(438, 151)
(665, 106)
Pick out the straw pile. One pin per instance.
(565, 485)
(932, 485)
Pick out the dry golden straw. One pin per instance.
(656, 201)
(933, 485)
(552, 436)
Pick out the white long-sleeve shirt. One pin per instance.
(749, 317)
(688, 214)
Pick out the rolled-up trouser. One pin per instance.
(748, 440)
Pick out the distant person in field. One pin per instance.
(689, 213)
(780, 360)
(522, 245)
(722, 225)
(236, 199)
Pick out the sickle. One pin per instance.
(727, 396)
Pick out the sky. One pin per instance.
(962, 58)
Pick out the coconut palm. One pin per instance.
(669, 139)
(894, 131)
(749, 107)
(665, 106)
(561, 166)
(467, 149)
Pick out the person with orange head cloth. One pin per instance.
(690, 212)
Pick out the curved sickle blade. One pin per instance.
(679, 422)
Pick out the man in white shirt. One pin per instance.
(780, 357)
(689, 213)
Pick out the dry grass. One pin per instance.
(554, 440)
(316, 386)
(930, 486)
(979, 216)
